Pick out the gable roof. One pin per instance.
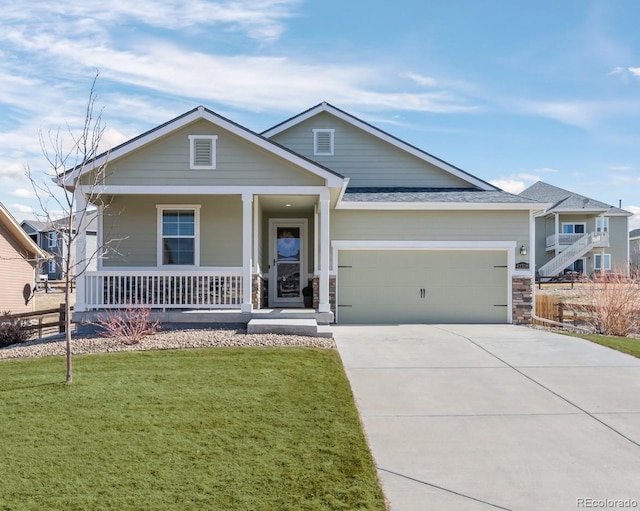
(383, 135)
(59, 224)
(567, 201)
(18, 233)
(634, 234)
(198, 113)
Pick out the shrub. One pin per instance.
(612, 304)
(129, 325)
(12, 330)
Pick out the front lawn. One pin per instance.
(215, 429)
(624, 344)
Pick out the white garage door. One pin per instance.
(422, 286)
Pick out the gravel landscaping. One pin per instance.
(170, 339)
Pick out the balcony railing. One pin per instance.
(562, 239)
(205, 289)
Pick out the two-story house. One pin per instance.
(578, 234)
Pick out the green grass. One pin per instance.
(217, 429)
(623, 344)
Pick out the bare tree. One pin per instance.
(68, 157)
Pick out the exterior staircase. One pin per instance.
(574, 252)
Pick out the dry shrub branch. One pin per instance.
(130, 325)
(611, 303)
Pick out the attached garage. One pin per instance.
(423, 286)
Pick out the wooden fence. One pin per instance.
(553, 308)
(44, 322)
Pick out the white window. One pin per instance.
(52, 266)
(178, 235)
(602, 224)
(202, 151)
(323, 142)
(53, 239)
(598, 261)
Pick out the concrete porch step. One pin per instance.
(289, 326)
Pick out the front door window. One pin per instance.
(287, 261)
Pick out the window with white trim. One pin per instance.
(53, 239)
(202, 152)
(602, 224)
(597, 261)
(52, 266)
(178, 235)
(323, 142)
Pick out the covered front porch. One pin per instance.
(266, 282)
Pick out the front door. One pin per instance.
(287, 274)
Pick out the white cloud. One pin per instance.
(634, 221)
(241, 80)
(546, 170)
(509, 185)
(635, 71)
(583, 114)
(27, 210)
(620, 167)
(515, 183)
(24, 193)
(259, 19)
(425, 81)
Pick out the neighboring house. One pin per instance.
(19, 257)
(634, 251)
(211, 215)
(50, 237)
(578, 234)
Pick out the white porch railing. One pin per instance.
(205, 289)
(562, 238)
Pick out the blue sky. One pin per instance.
(510, 91)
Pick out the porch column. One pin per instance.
(323, 284)
(80, 266)
(556, 218)
(247, 263)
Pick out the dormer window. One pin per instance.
(323, 142)
(202, 152)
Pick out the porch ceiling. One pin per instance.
(288, 202)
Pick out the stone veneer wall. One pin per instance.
(522, 299)
(315, 283)
(259, 291)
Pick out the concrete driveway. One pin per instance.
(479, 417)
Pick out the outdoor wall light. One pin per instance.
(523, 250)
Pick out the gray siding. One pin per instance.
(238, 162)
(618, 243)
(634, 255)
(431, 225)
(364, 158)
(134, 220)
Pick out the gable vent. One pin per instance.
(202, 151)
(323, 142)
